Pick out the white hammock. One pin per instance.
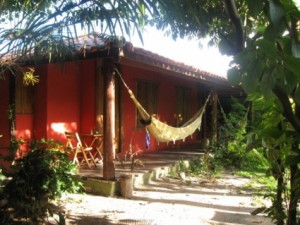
(162, 131)
(165, 133)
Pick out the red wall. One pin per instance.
(24, 126)
(40, 104)
(87, 70)
(65, 101)
(4, 106)
(62, 100)
(4, 122)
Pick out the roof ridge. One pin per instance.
(129, 48)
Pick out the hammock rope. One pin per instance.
(163, 132)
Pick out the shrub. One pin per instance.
(40, 177)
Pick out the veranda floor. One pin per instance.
(145, 162)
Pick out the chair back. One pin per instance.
(70, 136)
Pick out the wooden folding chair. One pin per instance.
(98, 145)
(70, 138)
(85, 151)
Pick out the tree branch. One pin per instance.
(287, 108)
(237, 23)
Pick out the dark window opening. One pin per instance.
(147, 96)
(23, 96)
(183, 105)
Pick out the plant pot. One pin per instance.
(126, 185)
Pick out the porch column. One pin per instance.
(214, 116)
(109, 119)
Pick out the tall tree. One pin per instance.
(263, 37)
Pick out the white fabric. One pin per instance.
(162, 132)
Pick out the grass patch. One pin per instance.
(259, 181)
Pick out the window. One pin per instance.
(23, 97)
(183, 105)
(147, 96)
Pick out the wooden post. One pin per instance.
(214, 116)
(109, 120)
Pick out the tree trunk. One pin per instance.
(292, 210)
(294, 183)
(109, 120)
(278, 204)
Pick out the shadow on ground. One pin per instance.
(84, 220)
(170, 201)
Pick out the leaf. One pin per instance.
(254, 97)
(290, 81)
(234, 76)
(249, 83)
(255, 7)
(297, 95)
(257, 68)
(292, 159)
(295, 49)
(269, 33)
(267, 47)
(276, 13)
(267, 84)
(225, 46)
(292, 64)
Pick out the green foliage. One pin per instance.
(191, 18)
(272, 130)
(13, 147)
(197, 166)
(255, 160)
(266, 185)
(39, 178)
(1, 176)
(183, 166)
(230, 149)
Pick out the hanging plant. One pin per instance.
(29, 78)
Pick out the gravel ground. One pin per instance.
(169, 201)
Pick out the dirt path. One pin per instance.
(171, 202)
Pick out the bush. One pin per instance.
(231, 149)
(40, 177)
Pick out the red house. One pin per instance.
(87, 94)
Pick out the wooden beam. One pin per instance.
(109, 119)
(214, 116)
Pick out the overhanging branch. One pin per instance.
(237, 23)
(288, 112)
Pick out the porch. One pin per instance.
(145, 167)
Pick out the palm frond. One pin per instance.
(47, 29)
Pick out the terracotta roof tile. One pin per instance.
(149, 57)
(96, 42)
(99, 42)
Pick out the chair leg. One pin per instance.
(92, 158)
(98, 150)
(86, 159)
(98, 153)
(75, 159)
